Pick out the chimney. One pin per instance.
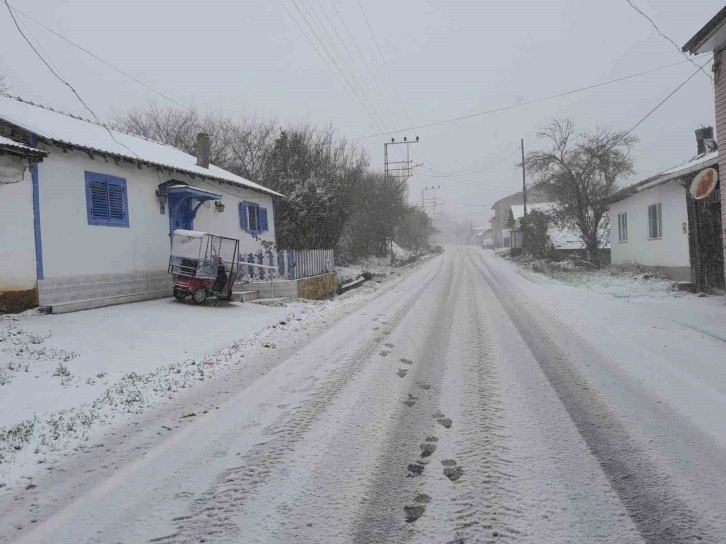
(203, 149)
(705, 141)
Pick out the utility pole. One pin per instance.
(434, 204)
(524, 184)
(402, 170)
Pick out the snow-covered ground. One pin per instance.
(66, 378)
(464, 402)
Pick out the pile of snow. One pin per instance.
(347, 274)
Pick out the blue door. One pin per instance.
(180, 214)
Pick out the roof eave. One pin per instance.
(140, 162)
(693, 45)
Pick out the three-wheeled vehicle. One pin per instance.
(203, 265)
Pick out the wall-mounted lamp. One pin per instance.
(219, 205)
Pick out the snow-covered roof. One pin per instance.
(518, 209)
(8, 143)
(65, 129)
(694, 165)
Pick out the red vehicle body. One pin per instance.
(203, 265)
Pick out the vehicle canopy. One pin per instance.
(198, 253)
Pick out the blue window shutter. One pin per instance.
(98, 201)
(263, 219)
(243, 216)
(106, 200)
(116, 204)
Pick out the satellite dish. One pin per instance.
(704, 183)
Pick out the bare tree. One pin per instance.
(3, 86)
(578, 171)
(239, 145)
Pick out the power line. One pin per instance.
(77, 46)
(385, 63)
(313, 25)
(365, 85)
(365, 62)
(655, 26)
(674, 91)
(520, 104)
(60, 78)
(448, 174)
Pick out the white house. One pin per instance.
(92, 221)
(649, 220)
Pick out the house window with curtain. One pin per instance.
(622, 227)
(655, 221)
(253, 217)
(106, 200)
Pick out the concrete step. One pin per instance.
(88, 304)
(246, 296)
(277, 301)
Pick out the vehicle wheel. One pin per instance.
(179, 295)
(199, 296)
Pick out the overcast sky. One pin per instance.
(447, 59)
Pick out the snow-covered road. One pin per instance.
(463, 404)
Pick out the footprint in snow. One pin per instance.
(413, 512)
(432, 439)
(383, 353)
(406, 361)
(402, 372)
(409, 403)
(415, 469)
(452, 472)
(422, 498)
(389, 345)
(425, 386)
(427, 448)
(445, 421)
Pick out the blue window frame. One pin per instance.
(106, 200)
(252, 217)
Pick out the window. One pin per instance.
(655, 221)
(106, 200)
(252, 217)
(622, 227)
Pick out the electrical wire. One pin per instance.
(655, 26)
(60, 78)
(145, 85)
(385, 63)
(674, 91)
(458, 175)
(391, 111)
(521, 104)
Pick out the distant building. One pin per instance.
(563, 240)
(91, 223)
(500, 221)
(712, 38)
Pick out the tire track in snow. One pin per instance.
(484, 491)
(213, 514)
(645, 491)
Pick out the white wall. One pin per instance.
(72, 247)
(17, 234)
(669, 251)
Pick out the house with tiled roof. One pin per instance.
(89, 220)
